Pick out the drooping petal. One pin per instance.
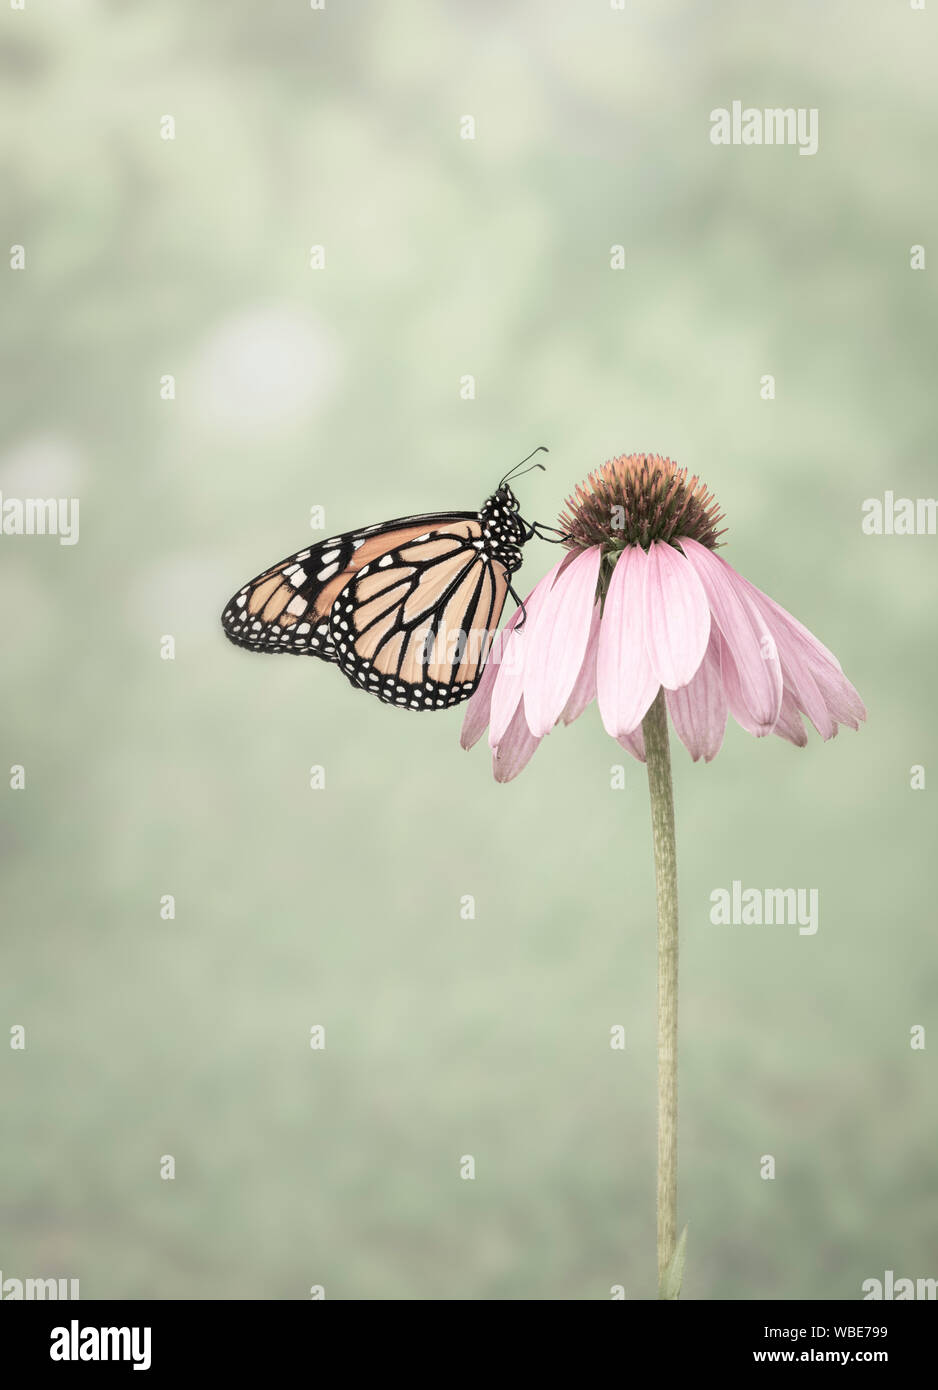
(506, 694)
(584, 692)
(677, 616)
(752, 678)
(799, 630)
(479, 704)
(698, 709)
(634, 743)
(841, 698)
(558, 640)
(788, 724)
(798, 680)
(516, 748)
(732, 689)
(810, 670)
(626, 682)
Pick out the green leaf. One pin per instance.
(671, 1280)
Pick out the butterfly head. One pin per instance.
(503, 529)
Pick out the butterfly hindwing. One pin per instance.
(413, 627)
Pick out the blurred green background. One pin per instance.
(340, 387)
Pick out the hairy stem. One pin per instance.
(658, 757)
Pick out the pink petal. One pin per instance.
(677, 616)
(584, 692)
(789, 725)
(558, 642)
(634, 743)
(752, 678)
(626, 682)
(840, 697)
(506, 694)
(516, 748)
(799, 630)
(736, 703)
(798, 681)
(479, 704)
(698, 709)
(812, 672)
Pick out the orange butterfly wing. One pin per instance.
(414, 625)
(286, 608)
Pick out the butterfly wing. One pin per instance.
(413, 626)
(287, 608)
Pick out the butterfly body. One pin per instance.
(407, 608)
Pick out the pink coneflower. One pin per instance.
(643, 602)
(646, 618)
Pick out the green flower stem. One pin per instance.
(658, 758)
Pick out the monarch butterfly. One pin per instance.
(407, 609)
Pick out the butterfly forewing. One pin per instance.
(278, 610)
(286, 608)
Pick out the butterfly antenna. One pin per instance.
(513, 472)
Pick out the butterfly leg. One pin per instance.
(520, 602)
(539, 527)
